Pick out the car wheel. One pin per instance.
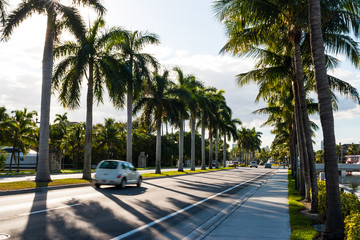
(123, 183)
(97, 185)
(138, 184)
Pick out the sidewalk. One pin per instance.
(265, 215)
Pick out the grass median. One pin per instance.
(301, 226)
(31, 184)
(68, 181)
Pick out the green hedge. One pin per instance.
(350, 208)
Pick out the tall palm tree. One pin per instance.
(334, 225)
(158, 102)
(88, 57)
(194, 86)
(129, 50)
(228, 130)
(58, 16)
(185, 98)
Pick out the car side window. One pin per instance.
(124, 166)
(131, 167)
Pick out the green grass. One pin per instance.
(301, 226)
(33, 172)
(28, 184)
(174, 173)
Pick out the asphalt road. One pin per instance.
(164, 208)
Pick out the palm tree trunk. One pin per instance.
(181, 146)
(210, 149)
(88, 127)
(43, 172)
(292, 147)
(193, 143)
(306, 124)
(203, 164)
(302, 187)
(334, 225)
(129, 126)
(18, 163)
(158, 146)
(224, 150)
(217, 148)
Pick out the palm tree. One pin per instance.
(158, 102)
(108, 136)
(73, 142)
(129, 50)
(334, 225)
(250, 25)
(88, 53)
(353, 149)
(22, 127)
(183, 114)
(58, 16)
(228, 130)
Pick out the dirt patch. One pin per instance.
(316, 218)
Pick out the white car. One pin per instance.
(116, 172)
(253, 164)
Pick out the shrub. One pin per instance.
(352, 227)
(350, 204)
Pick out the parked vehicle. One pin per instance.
(267, 165)
(253, 164)
(116, 172)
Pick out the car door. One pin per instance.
(132, 172)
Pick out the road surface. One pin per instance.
(163, 208)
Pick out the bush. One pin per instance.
(352, 227)
(2, 161)
(350, 204)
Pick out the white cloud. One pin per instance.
(348, 114)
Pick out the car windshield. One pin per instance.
(109, 165)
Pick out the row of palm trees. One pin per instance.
(288, 39)
(19, 130)
(113, 59)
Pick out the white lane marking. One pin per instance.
(181, 210)
(49, 209)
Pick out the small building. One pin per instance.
(27, 161)
(352, 159)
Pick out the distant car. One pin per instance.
(253, 164)
(116, 172)
(267, 165)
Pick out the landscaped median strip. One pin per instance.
(8, 186)
(301, 226)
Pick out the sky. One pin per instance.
(191, 38)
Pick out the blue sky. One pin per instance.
(190, 37)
